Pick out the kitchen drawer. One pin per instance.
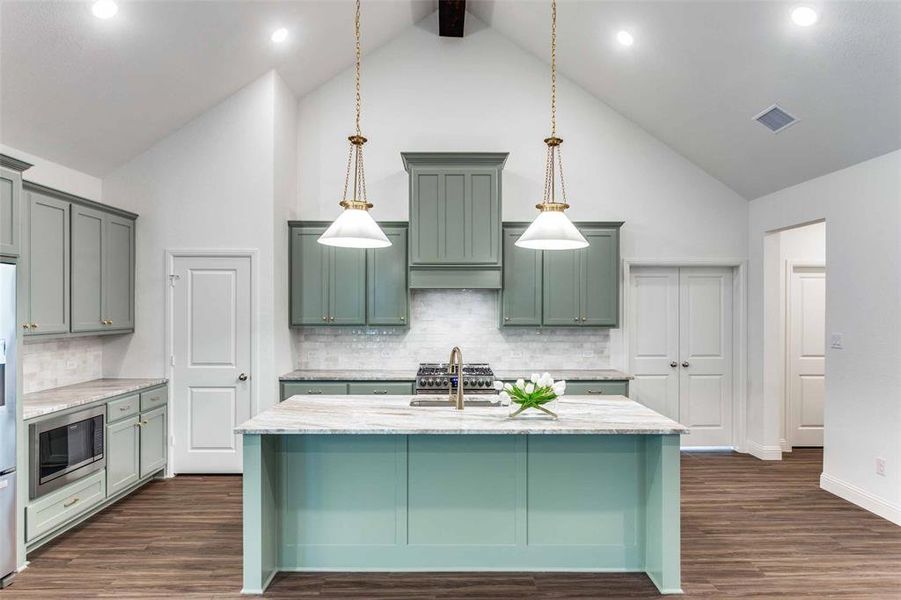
(393, 388)
(119, 409)
(606, 388)
(154, 398)
(58, 508)
(313, 388)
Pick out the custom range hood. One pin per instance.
(455, 219)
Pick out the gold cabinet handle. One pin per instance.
(26, 325)
(595, 391)
(324, 318)
(314, 391)
(379, 391)
(110, 321)
(331, 318)
(71, 502)
(124, 408)
(34, 325)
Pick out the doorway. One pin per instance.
(210, 324)
(681, 348)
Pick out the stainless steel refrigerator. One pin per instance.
(7, 422)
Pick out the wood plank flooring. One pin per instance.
(749, 528)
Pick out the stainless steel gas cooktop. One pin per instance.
(433, 378)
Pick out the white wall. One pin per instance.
(209, 185)
(422, 92)
(57, 176)
(862, 209)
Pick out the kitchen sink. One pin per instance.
(419, 401)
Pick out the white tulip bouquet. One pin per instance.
(540, 390)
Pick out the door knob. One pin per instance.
(684, 363)
(242, 377)
(674, 364)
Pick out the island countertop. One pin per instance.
(393, 415)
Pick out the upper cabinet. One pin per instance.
(347, 286)
(11, 204)
(455, 219)
(563, 288)
(79, 265)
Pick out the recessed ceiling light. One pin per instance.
(625, 38)
(804, 16)
(279, 35)
(105, 9)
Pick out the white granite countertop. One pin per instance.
(394, 415)
(410, 374)
(41, 403)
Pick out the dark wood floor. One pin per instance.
(749, 528)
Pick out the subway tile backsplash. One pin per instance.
(56, 363)
(441, 319)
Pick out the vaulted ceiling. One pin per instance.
(92, 94)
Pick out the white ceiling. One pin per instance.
(700, 71)
(92, 94)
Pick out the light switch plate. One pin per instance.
(835, 342)
(880, 466)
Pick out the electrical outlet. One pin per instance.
(71, 364)
(880, 466)
(836, 341)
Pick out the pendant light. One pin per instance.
(355, 227)
(552, 229)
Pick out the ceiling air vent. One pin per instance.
(775, 119)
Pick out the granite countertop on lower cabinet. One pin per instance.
(45, 402)
(350, 375)
(410, 374)
(388, 415)
(566, 374)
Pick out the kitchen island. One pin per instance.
(356, 483)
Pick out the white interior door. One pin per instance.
(806, 354)
(654, 338)
(211, 343)
(680, 346)
(705, 354)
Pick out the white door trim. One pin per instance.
(739, 268)
(784, 340)
(169, 256)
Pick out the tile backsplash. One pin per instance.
(441, 319)
(55, 363)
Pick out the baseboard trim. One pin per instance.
(860, 497)
(764, 452)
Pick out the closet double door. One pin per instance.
(680, 346)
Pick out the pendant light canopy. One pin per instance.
(355, 227)
(552, 229)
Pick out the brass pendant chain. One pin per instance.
(553, 142)
(553, 68)
(355, 156)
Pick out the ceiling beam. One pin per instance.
(451, 15)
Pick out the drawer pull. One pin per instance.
(314, 391)
(379, 391)
(71, 502)
(124, 408)
(595, 391)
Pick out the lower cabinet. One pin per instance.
(340, 388)
(153, 441)
(65, 504)
(122, 454)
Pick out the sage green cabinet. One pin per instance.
(10, 212)
(123, 454)
(327, 284)
(46, 310)
(455, 219)
(521, 298)
(153, 441)
(102, 271)
(388, 295)
(581, 287)
(562, 288)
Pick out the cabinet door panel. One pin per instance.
(561, 287)
(122, 455)
(87, 269)
(48, 265)
(386, 280)
(309, 277)
(119, 282)
(153, 441)
(483, 218)
(426, 216)
(453, 227)
(599, 290)
(522, 296)
(347, 286)
(10, 211)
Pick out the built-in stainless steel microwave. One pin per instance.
(65, 448)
